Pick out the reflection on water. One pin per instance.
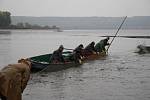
(122, 75)
(5, 47)
(5, 32)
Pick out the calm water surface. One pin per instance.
(122, 75)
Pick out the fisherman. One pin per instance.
(100, 46)
(78, 53)
(13, 80)
(90, 49)
(57, 56)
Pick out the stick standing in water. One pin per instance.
(117, 32)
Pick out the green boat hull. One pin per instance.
(42, 63)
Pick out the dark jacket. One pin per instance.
(90, 48)
(78, 50)
(100, 46)
(105, 42)
(57, 56)
(78, 53)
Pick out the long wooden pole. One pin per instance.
(116, 33)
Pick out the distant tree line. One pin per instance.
(5, 23)
(29, 26)
(5, 19)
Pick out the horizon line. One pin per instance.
(79, 16)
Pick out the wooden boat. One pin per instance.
(94, 56)
(41, 63)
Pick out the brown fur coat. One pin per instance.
(13, 80)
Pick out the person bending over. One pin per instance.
(100, 46)
(57, 56)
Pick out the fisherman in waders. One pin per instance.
(57, 56)
(78, 53)
(100, 46)
(90, 49)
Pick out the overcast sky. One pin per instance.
(80, 8)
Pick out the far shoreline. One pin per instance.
(136, 36)
(66, 29)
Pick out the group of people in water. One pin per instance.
(14, 77)
(80, 52)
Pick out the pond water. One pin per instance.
(122, 75)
